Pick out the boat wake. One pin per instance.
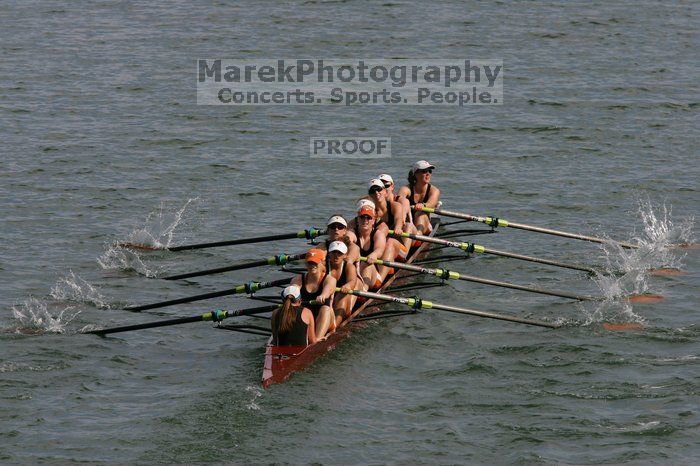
(155, 234)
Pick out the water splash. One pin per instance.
(611, 311)
(156, 233)
(660, 229)
(117, 257)
(73, 288)
(627, 271)
(34, 314)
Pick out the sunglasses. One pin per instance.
(375, 189)
(337, 226)
(388, 185)
(427, 170)
(366, 218)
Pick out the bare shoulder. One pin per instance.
(434, 196)
(306, 315)
(405, 191)
(296, 280)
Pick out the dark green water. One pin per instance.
(103, 142)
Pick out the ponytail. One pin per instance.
(287, 315)
(411, 178)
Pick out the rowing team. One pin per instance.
(312, 308)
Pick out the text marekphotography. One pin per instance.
(459, 82)
(349, 147)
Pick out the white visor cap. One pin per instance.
(421, 165)
(365, 203)
(386, 178)
(375, 182)
(337, 219)
(292, 290)
(338, 246)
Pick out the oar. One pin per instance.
(249, 288)
(471, 247)
(497, 222)
(449, 274)
(274, 260)
(215, 316)
(417, 303)
(309, 234)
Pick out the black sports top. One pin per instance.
(367, 251)
(295, 337)
(425, 198)
(308, 296)
(391, 223)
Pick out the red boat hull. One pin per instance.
(282, 361)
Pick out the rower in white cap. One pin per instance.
(337, 228)
(420, 193)
(345, 273)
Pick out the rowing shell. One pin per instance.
(282, 361)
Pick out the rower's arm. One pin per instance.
(379, 243)
(296, 280)
(398, 214)
(308, 317)
(350, 272)
(328, 288)
(404, 191)
(434, 198)
(406, 206)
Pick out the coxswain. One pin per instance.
(292, 324)
(369, 234)
(420, 193)
(317, 287)
(346, 278)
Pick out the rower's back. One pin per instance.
(292, 324)
(295, 336)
